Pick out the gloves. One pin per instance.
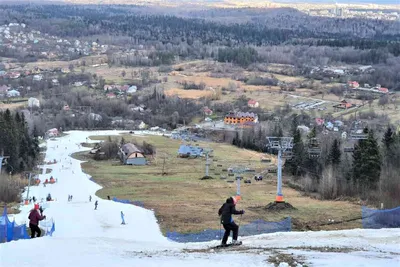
(45, 216)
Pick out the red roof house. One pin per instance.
(253, 103)
(353, 84)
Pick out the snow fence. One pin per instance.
(10, 231)
(375, 219)
(254, 228)
(127, 201)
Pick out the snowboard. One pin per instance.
(228, 245)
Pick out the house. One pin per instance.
(319, 121)
(52, 132)
(38, 77)
(131, 155)
(253, 103)
(187, 151)
(14, 75)
(111, 95)
(207, 111)
(13, 93)
(240, 117)
(3, 89)
(344, 105)
(383, 90)
(33, 102)
(131, 90)
(353, 84)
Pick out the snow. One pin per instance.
(88, 237)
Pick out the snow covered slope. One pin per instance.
(88, 237)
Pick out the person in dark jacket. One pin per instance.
(226, 212)
(34, 218)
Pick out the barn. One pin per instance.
(132, 155)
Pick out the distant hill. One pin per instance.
(380, 2)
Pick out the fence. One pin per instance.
(375, 219)
(10, 231)
(127, 201)
(254, 228)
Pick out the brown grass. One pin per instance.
(192, 94)
(185, 203)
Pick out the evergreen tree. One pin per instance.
(335, 153)
(294, 165)
(388, 138)
(367, 162)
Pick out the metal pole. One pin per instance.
(238, 185)
(29, 185)
(207, 164)
(279, 195)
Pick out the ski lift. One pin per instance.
(357, 130)
(314, 148)
(348, 149)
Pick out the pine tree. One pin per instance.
(294, 165)
(367, 162)
(388, 138)
(335, 153)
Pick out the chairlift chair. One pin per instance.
(314, 148)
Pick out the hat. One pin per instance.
(234, 200)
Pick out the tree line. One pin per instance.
(17, 142)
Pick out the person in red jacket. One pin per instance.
(34, 218)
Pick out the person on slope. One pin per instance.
(95, 205)
(34, 218)
(226, 212)
(122, 217)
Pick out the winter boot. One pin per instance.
(235, 242)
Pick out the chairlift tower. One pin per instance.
(238, 171)
(282, 145)
(207, 151)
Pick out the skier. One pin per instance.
(34, 199)
(108, 197)
(69, 198)
(34, 218)
(122, 217)
(95, 205)
(226, 211)
(90, 198)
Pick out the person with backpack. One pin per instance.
(226, 211)
(34, 218)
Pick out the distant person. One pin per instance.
(90, 198)
(95, 205)
(71, 197)
(108, 197)
(48, 198)
(122, 217)
(34, 218)
(34, 199)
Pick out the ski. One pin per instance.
(229, 245)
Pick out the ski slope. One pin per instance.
(88, 237)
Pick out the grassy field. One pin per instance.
(182, 202)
